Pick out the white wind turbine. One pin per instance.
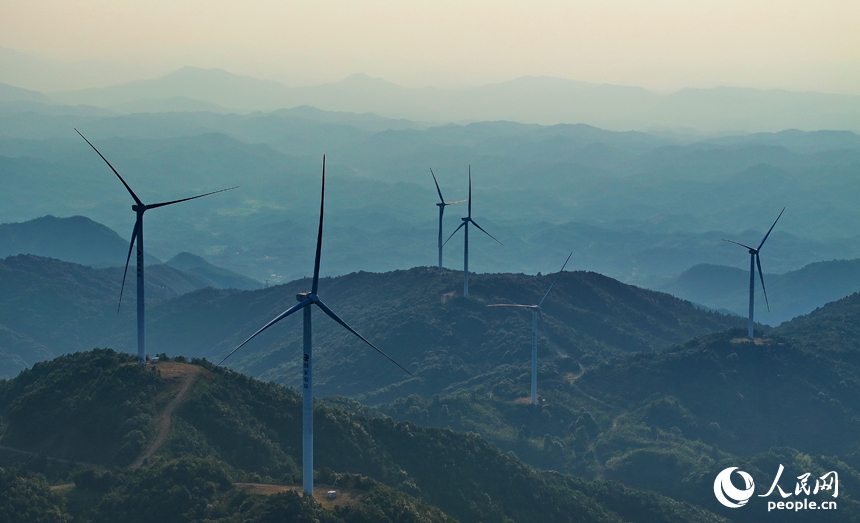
(756, 260)
(465, 224)
(306, 299)
(137, 237)
(536, 311)
(442, 204)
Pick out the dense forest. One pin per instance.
(97, 411)
(657, 421)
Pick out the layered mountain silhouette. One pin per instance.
(543, 100)
(791, 294)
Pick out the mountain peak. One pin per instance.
(365, 80)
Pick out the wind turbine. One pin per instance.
(137, 236)
(756, 260)
(465, 224)
(442, 203)
(306, 299)
(535, 313)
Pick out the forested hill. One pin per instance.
(670, 420)
(98, 407)
(50, 307)
(833, 329)
(419, 318)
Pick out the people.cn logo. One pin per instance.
(727, 494)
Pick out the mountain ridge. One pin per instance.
(617, 107)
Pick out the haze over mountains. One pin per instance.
(635, 206)
(642, 207)
(636, 385)
(542, 100)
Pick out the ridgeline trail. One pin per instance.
(183, 377)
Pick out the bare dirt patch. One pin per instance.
(757, 341)
(345, 497)
(448, 296)
(180, 377)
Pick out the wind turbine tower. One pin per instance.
(465, 223)
(755, 260)
(137, 238)
(442, 204)
(306, 299)
(536, 312)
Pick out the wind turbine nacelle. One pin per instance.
(138, 208)
(302, 296)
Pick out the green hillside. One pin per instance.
(416, 316)
(229, 429)
(833, 329)
(670, 420)
(419, 318)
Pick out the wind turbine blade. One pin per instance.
(470, 191)
(455, 232)
(136, 199)
(511, 305)
(454, 203)
(483, 231)
(128, 259)
(760, 275)
(153, 206)
(742, 245)
(437, 187)
(336, 318)
(771, 228)
(294, 308)
(556, 278)
(316, 281)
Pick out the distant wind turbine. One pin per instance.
(137, 236)
(442, 203)
(756, 260)
(306, 299)
(465, 224)
(536, 311)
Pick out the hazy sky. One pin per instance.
(659, 44)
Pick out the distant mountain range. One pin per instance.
(790, 294)
(635, 206)
(75, 239)
(543, 100)
(80, 240)
(10, 93)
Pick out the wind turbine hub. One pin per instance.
(137, 208)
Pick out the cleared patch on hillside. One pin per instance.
(757, 341)
(345, 497)
(180, 377)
